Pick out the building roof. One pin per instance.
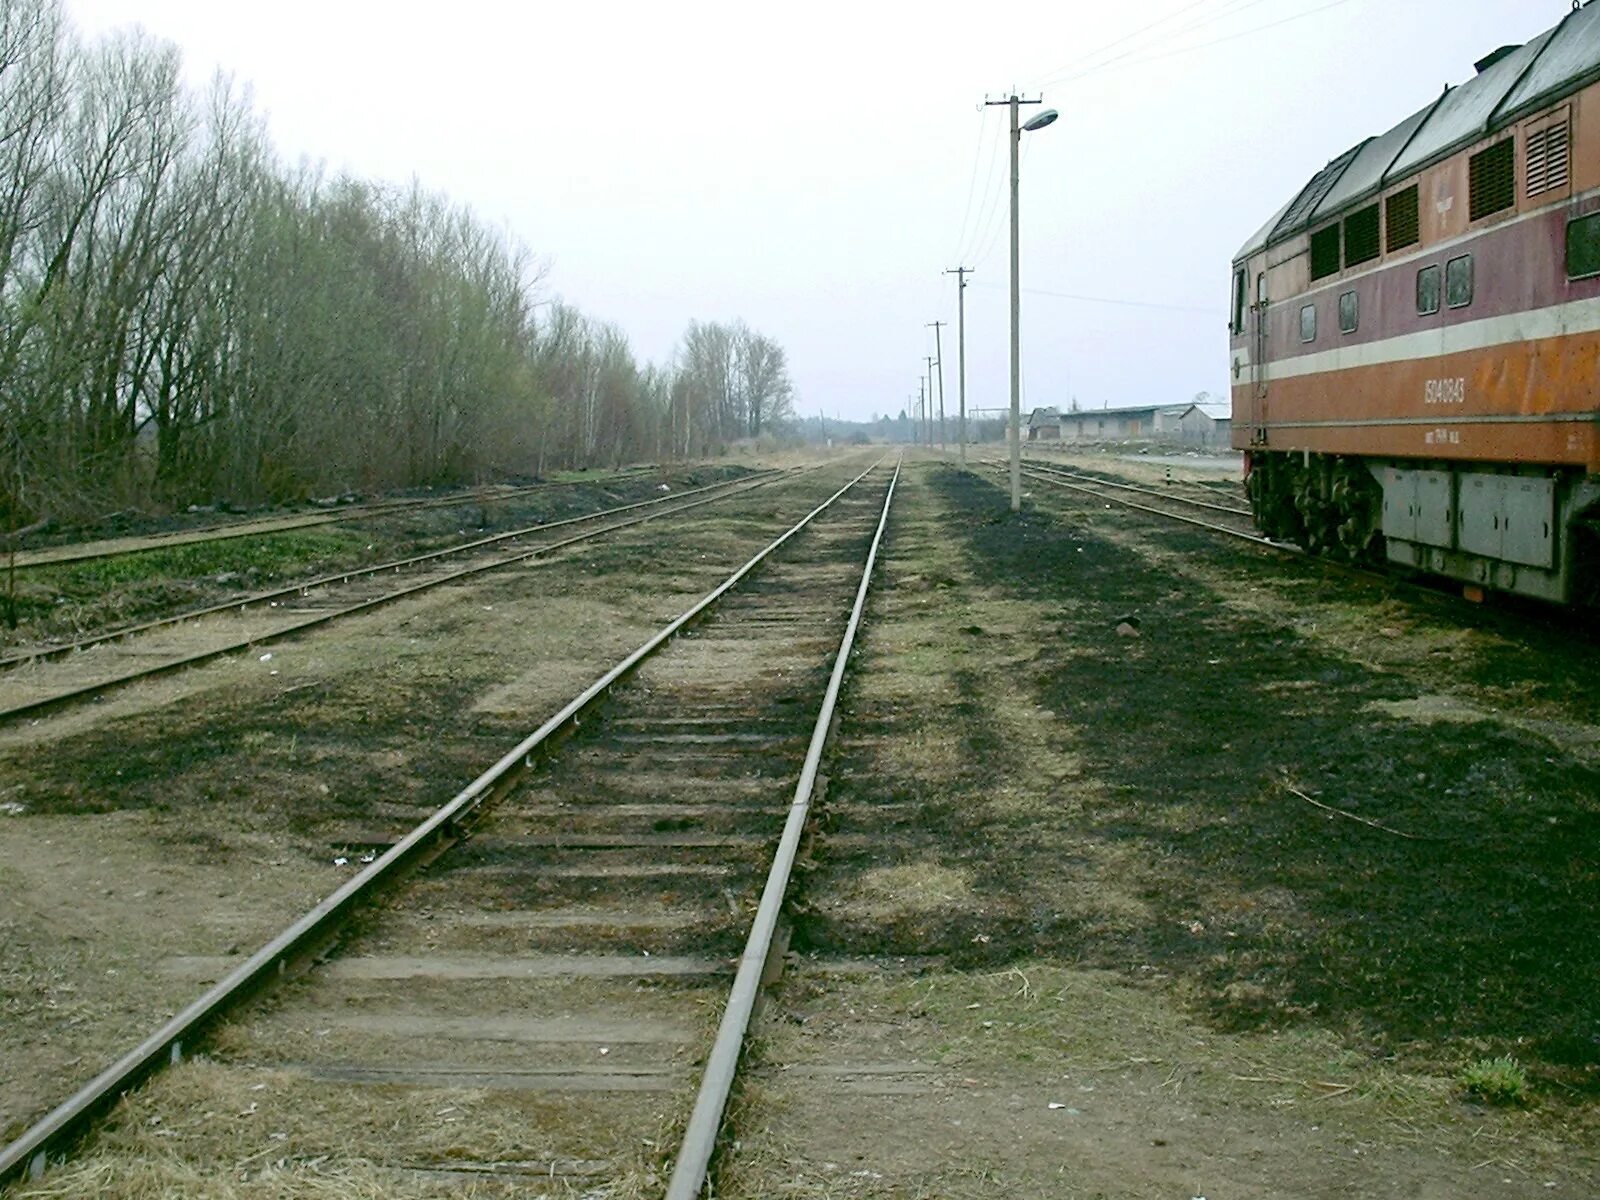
(1043, 416)
(1144, 409)
(1512, 82)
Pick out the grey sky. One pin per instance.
(813, 168)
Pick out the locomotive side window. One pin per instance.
(1583, 247)
(1349, 310)
(1428, 290)
(1238, 301)
(1308, 323)
(1403, 216)
(1458, 281)
(1325, 251)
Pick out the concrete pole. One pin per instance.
(961, 274)
(1016, 311)
(938, 350)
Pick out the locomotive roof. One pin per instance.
(1511, 83)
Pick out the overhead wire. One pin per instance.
(1086, 59)
(1237, 34)
(972, 184)
(992, 190)
(1084, 299)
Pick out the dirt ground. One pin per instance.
(1149, 866)
(197, 814)
(1162, 971)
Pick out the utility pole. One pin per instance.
(922, 411)
(1014, 102)
(930, 360)
(939, 352)
(961, 274)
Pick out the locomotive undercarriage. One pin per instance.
(1534, 532)
(1330, 504)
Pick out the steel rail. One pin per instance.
(705, 1122)
(66, 555)
(1253, 538)
(300, 588)
(1133, 487)
(47, 703)
(30, 1152)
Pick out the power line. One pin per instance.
(1188, 308)
(1085, 59)
(972, 182)
(1255, 29)
(989, 206)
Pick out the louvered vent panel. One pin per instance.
(1549, 156)
(1405, 227)
(1361, 236)
(1325, 252)
(1492, 180)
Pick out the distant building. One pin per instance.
(1044, 425)
(1185, 424)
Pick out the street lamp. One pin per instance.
(1044, 118)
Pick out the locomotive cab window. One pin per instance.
(1428, 290)
(1238, 301)
(1348, 312)
(1583, 247)
(1308, 323)
(1458, 281)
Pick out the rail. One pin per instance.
(30, 1152)
(1253, 538)
(1051, 468)
(300, 588)
(65, 555)
(705, 1122)
(47, 703)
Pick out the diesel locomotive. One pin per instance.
(1415, 336)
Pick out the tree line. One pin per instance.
(184, 318)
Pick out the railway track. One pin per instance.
(51, 556)
(95, 665)
(559, 938)
(1236, 521)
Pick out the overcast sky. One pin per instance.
(813, 168)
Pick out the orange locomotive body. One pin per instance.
(1415, 337)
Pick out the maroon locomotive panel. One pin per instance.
(1415, 347)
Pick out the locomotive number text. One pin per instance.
(1445, 391)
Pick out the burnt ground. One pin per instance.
(1105, 844)
(1481, 924)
